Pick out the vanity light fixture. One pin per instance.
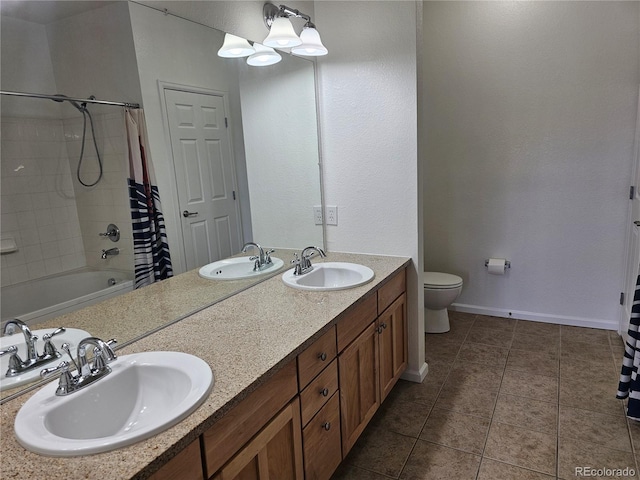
(264, 56)
(282, 34)
(311, 43)
(235, 47)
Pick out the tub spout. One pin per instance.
(109, 253)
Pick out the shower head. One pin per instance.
(63, 98)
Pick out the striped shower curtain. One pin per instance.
(150, 248)
(629, 381)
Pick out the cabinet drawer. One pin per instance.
(355, 321)
(236, 428)
(316, 357)
(319, 391)
(321, 439)
(392, 290)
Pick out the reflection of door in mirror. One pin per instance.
(205, 179)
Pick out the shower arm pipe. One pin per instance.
(63, 98)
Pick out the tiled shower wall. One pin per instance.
(108, 201)
(53, 219)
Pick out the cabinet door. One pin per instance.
(392, 329)
(273, 454)
(359, 385)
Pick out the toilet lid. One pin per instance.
(441, 280)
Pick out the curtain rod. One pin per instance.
(60, 98)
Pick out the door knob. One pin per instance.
(187, 214)
(637, 223)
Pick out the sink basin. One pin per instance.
(144, 394)
(330, 276)
(237, 268)
(72, 336)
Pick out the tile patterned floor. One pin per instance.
(504, 400)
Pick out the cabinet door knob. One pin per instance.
(326, 426)
(322, 356)
(384, 325)
(379, 329)
(324, 392)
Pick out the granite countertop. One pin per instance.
(245, 339)
(152, 307)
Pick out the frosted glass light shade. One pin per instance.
(282, 34)
(311, 43)
(235, 47)
(264, 56)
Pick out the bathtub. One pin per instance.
(39, 300)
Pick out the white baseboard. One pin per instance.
(416, 376)
(538, 317)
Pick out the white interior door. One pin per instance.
(205, 176)
(633, 237)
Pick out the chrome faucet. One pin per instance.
(33, 360)
(109, 253)
(262, 259)
(86, 374)
(303, 263)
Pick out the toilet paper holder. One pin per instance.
(507, 263)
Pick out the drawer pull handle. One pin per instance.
(324, 392)
(326, 426)
(322, 356)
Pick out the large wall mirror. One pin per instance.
(51, 223)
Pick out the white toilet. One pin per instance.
(440, 291)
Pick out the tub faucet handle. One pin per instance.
(112, 233)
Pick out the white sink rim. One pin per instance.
(72, 336)
(30, 426)
(236, 264)
(360, 275)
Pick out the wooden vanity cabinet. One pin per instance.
(302, 421)
(372, 363)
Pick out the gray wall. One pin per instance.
(528, 116)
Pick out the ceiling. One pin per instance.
(47, 11)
